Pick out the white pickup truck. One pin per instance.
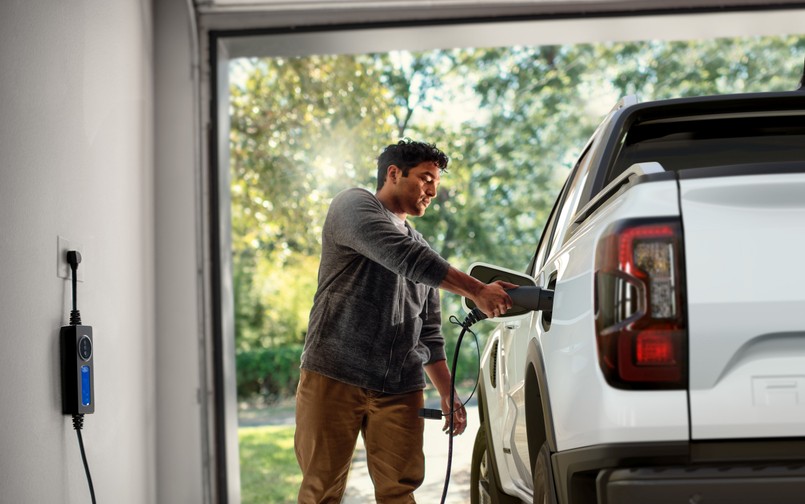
(671, 365)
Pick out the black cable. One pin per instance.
(78, 424)
(74, 258)
(75, 291)
(474, 316)
(454, 320)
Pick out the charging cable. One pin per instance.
(532, 298)
(74, 258)
(78, 424)
(474, 316)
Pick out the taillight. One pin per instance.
(640, 303)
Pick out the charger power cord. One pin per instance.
(474, 316)
(74, 258)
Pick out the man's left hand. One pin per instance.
(459, 415)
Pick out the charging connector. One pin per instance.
(430, 414)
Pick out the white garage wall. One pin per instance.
(76, 161)
(183, 442)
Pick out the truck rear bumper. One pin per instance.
(781, 484)
(746, 471)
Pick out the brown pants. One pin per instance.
(329, 415)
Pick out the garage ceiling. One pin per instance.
(240, 15)
(534, 7)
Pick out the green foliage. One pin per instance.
(268, 469)
(272, 299)
(270, 373)
(513, 120)
(658, 70)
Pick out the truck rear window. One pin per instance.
(710, 141)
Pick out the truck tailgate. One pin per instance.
(745, 271)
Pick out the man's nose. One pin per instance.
(430, 190)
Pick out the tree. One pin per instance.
(301, 130)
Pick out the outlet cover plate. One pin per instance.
(63, 245)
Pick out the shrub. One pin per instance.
(268, 373)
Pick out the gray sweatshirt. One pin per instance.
(376, 316)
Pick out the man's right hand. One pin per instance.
(492, 299)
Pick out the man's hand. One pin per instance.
(493, 299)
(440, 377)
(459, 415)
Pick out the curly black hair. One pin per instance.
(407, 154)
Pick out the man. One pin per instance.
(374, 327)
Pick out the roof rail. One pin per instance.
(626, 101)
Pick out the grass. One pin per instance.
(268, 469)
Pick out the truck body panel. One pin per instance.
(744, 247)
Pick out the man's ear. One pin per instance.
(393, 173)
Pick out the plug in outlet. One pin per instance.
(63, 245)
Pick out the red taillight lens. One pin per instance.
(639, 301)
(655, 348)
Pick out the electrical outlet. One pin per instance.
(63, 245)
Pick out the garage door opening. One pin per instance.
(302, 115)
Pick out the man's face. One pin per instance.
(415, 191)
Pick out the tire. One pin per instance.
(543, 478)
(483, 480)
(479, 471)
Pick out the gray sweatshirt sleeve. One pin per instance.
(360, 223)
(431, 334)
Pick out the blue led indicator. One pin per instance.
(86, 390)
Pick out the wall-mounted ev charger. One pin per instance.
(77, 368)
(78, 392)
(78, 377)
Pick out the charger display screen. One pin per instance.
(86, 386)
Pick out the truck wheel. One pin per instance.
(543, 477)
(483, 480)
(480, 493)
